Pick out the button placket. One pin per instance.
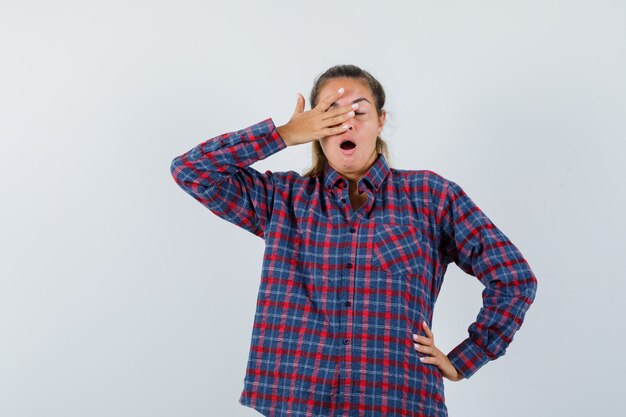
(341, 184)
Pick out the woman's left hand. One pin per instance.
(430, 354)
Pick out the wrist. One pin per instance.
(283, 131)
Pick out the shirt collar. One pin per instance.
(373, 178)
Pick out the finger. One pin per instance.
(428, 359)
(325, 103)
(331, 131)
(338, 111)
(427, 329)
(333, 121)
(423, 340)
(299, 104)
(427, 350)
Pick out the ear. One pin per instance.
(381, 120)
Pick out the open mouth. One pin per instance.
(347, 144)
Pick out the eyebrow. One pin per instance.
(353, 101)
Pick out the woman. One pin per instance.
(355, 256)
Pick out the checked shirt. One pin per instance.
(342, 290)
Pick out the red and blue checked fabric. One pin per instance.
(343, 290)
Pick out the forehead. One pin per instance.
(355, 90)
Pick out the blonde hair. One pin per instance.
(350, 71)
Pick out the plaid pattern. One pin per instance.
(342, 291)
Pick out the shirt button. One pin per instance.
(348, 303)
(346, 341)
(343, 200)
(352, 230)
(348, 265)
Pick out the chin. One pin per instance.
(352, 166)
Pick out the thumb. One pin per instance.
(299, 104)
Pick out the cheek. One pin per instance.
(324, 145)
(366, 125)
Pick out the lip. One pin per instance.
(347, 152)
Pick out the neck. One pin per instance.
(352, 186)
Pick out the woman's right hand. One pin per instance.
(306, 126)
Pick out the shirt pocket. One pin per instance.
(400, 248)
(401, 258)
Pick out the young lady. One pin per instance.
(356, 252)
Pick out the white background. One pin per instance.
(121, 296)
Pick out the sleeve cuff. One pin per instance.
(468, 357)
(266, 137)
(273, 141)
(262, 135)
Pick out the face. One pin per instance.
(365, 126)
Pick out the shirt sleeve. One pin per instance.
(478, 247)
(217, 174)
